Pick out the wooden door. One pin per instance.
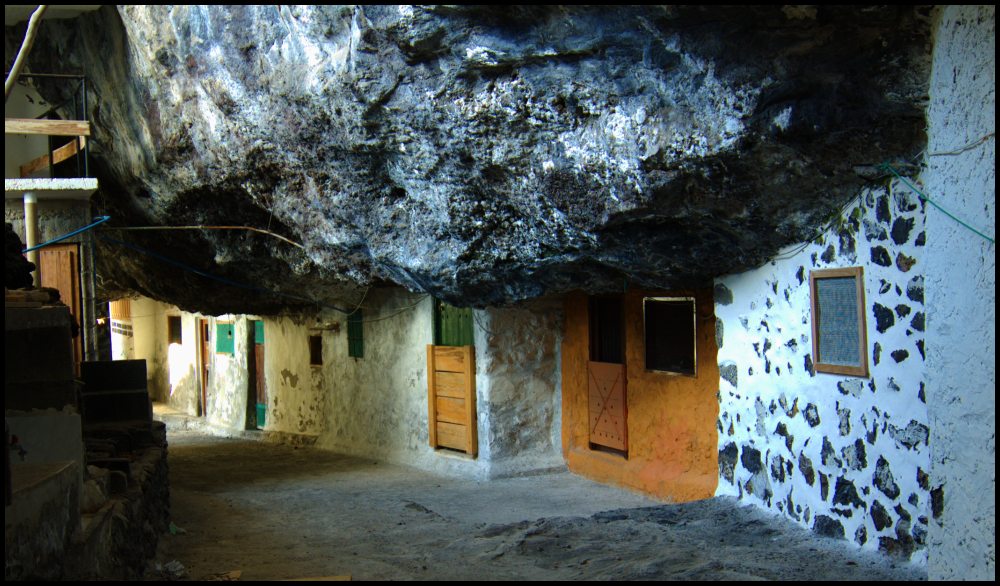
(608, 410)
(205, 351)
(606, 376)
(59, 268)
(451, 398)
(260, 382)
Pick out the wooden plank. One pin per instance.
(451, 435)
(60, 270)
(431, 395)
(449, 358)
(121, 309)
(58, 156)
(450, 384)
(471, 438)
(46, 127)
(450, 410)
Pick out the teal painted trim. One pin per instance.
(258, 332)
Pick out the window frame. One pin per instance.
(694, 335)
(356, 334)
(171, 330)
(315, 343)
(859, 369)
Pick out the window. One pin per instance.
(316, 350)
(174, 330)
(355, 334)
(607, 330)
(669, 327)
(839, 338)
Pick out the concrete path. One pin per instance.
(274, 511)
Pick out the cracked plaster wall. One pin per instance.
(961, 295)
(845, 456)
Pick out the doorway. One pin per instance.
(606, 380)
(205, 352)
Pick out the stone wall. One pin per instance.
(847, 456)
(296, 390)
(517, 382)
(961, 295)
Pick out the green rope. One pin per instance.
(927, 199)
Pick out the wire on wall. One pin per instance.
(926, 198)
(100, 220)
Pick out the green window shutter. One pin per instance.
(224, 339)
(258, 332)
(452, 325)
(355, 335)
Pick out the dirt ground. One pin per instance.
(266, 511)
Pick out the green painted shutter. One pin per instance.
(258, 332)
(452, 325)
(355, 335)
(224, 339)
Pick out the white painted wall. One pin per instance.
(961, 295)
(846, 456)
(296, 391)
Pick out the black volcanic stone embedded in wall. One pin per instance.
(900, 355)
(727, 461)
(728, 372)
(915, 289)
(845, 493)
(880, 256)
(828, 454)
(901, 229)
(902, 310)
(876, 353)
(880, 517)
(723, 295)
(921, 239)
(917, 323)
(884, 318)
(828, 527)
(923, 479)
(829, 254)
(806, 468)
(808, 364)
(920, 347)
(778, 469)
(719, 333)
(882, 209)
(884, 286)
(801, 274)
(904, 263)
(861, 535)
(883, 480)
(937, 502)
(811, 414)
(750, 458)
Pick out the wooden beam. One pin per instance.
(46, 127)
(58, 156)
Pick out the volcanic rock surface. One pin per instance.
(483, 155)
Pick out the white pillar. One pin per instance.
(31, 232)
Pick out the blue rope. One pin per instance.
(100, 220)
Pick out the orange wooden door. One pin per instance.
(607, 405)
(451, 398)
(60, 269)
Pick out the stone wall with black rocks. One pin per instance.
(844, 455)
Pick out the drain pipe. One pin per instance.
(31, 232)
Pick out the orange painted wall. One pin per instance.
(672, 435)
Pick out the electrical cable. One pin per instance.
(207, 227)
(100, 220)
(927, 199)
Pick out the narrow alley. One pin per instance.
(263, 511)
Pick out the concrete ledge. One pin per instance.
(75, 188)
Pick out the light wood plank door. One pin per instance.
(451, 398)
